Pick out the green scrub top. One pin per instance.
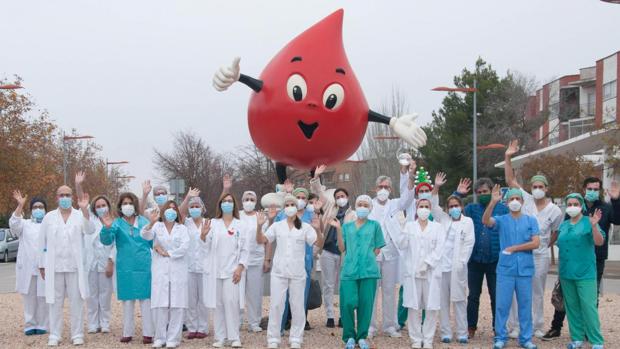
(360, 244)
(133, 258)
(576, 244)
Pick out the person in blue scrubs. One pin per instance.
(518, 236)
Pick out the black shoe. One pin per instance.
(184, 328)
(330, 323)
(307, 327)
(340, 322)
(551, 335)
(287, 326)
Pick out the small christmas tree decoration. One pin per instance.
(422, 179)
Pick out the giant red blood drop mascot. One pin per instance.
(308, 108)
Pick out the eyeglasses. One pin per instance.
(386, 187)
(64, 195)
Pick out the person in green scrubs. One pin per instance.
(359, 242)
(577, 270)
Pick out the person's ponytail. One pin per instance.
(297, 222)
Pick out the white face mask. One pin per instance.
(301, 204)
(290, 211)
(310, 208)
(538, 194)
(248, 206)
(573, 211)
(342, 202)
(383, 194)
(514, 205)
(128, 210)
(423, 213)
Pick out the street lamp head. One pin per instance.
(10, 87)
(116, 162)
(454, 89)
(71, 138)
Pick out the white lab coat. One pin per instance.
(50, 226)
(215, 268)
(97, 254)
(27, 230)
(420, 248)
(168, 274)
(463, 246)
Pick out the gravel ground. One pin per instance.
(11, 335)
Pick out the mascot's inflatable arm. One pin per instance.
(404, 126)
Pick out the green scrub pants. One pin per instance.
(402, 311)
(580, 298)
(356, 295)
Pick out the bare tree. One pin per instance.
(253, 171)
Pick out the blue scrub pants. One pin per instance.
(507, 286)
(308, 263)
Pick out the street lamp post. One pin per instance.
(65, 139)
(475, 121)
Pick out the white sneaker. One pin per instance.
(52, 342)
(416, 345)
(236, 344)
(393, 333)
(171, 345)
(78, 341)
(428, 345)
(256, 329)
(272, 346)
(514, 334)
(295, 345)
(92, 330)
(538, 334)
(105, 330)
(158, 344)
(218, 344)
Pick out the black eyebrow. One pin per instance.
(296, 59)
(340, 70)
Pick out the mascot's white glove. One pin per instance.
(226, 76)
(408, 130)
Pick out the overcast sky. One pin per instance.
(131, 73)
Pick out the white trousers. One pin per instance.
(66, 284)
(254, 290)
(197, 314)
(419, 332)
(330, 270)
(387, 283)
(460, 311)
(227, 307)
(99, 300)
(539, 281)
(296, 288)
(35, 308)
(168, 325)
(128, 318)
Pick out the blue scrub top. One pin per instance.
(515, 231)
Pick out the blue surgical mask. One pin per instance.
(455, 212)
(592, 195)
(38, 214)
(227, 207)
(425, 196)
(310, 208)
(161, 199)
(101, 211)
(170, 215)
(195, 212)
(65, 202)
(362, 212)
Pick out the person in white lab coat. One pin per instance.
(28, 282)
(386, 211)
(169, 272)
(61, 263)
(227, 257)
(422, 243)
(457, 248)
(197, 314)
(100, 268)
(259, 263)
(288, 274)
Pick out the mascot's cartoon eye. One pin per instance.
(296, 87)
(333, 96)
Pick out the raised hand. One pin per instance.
(464, 186)
(596, 217)
(261, 218)
(227, 182)
(288, 186)
(193, 192)
(412, 168)
(206, 228)
(146, 187)
(334, 222)
(227, 75)
(21, 199)
(614, 190)
(440, 179)
(84, 201)
(406, 128)
(319, 170)
(79, 177)
(154, 215)
(513, 148)
(317, 206)
(496, 194)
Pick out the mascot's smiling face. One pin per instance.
(311, 109)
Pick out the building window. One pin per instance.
(609, 90)
(340, 177)
(347, 177)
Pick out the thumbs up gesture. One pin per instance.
(226, 75)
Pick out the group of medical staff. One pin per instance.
(426, 261)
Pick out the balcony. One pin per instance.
(577, 127)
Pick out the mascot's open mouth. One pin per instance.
(308, 130)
